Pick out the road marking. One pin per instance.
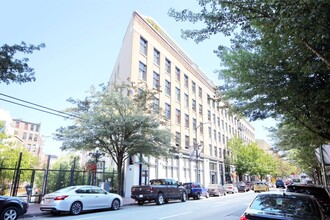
(171, 216)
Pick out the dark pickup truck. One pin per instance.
(160, 191)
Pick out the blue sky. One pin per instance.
(83, 39)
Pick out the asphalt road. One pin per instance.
(228, 207)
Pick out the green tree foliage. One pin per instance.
(122, 124)
(279, 61)
(13, 69)
(9, 156)
(251, 159)
(298, 145)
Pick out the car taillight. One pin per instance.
(60, 197)
(243, 217)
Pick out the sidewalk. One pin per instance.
(34, 209)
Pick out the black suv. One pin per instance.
(12, 207)
(319, 192)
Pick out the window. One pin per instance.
(200, 93)
(200, 110)
(186, 83)
(194, 124)
(167, 87)
(186, 100)
(214, 118)
(155, 105)
(208, 99)
(177, 138)
(156, 81)
(219, 137)
(209, 115)
(143, 46)
(25, 126)
(29, 147)
(37, 128)
(201, 130)
(223, 139)
(214, 134)
(31, 127)
(30, 136)
(167, 66)
(215, 151)
(17, 124)
(186, 141)
(142, 71)
(210, 132)
(177, 116)
(156, 57)
(177, 94)
(193, 105)
(220, 153)
(186, 121)
(193, 86)
(211, 150)
(24, 135)
(167, 111)
(35, 137)
(218, 121)
(177, 73)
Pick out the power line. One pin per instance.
(48, 110)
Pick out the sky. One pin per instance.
(83, 39)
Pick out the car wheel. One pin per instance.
(183, 197)
(76, 208)
(140, 202)
(198, 196)
(160, 199)
(115, 204)
(10, 213)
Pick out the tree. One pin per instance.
(299, 145)
(16, 70)
(121, 124)
(279, 62)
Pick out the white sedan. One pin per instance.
(75, 199)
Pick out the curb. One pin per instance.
(45, 213)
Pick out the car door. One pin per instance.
(100, 198)
(85, 196)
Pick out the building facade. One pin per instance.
(201, 128)
(29, 134)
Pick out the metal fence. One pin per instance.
(44, 181)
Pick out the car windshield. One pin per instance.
(283, 205)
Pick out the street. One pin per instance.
(228, 207)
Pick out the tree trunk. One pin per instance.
(120, 190)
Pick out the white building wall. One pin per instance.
(222, 125)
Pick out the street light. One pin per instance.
(96, 154)
(196, 148)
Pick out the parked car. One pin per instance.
(319, 192)
(12, 207)
(230, 188)
(196, 190)
(242, 187)
(283, 206)
(160, 191)
(75, 199)
(216, 190)
(260, 187)
(279, 184)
